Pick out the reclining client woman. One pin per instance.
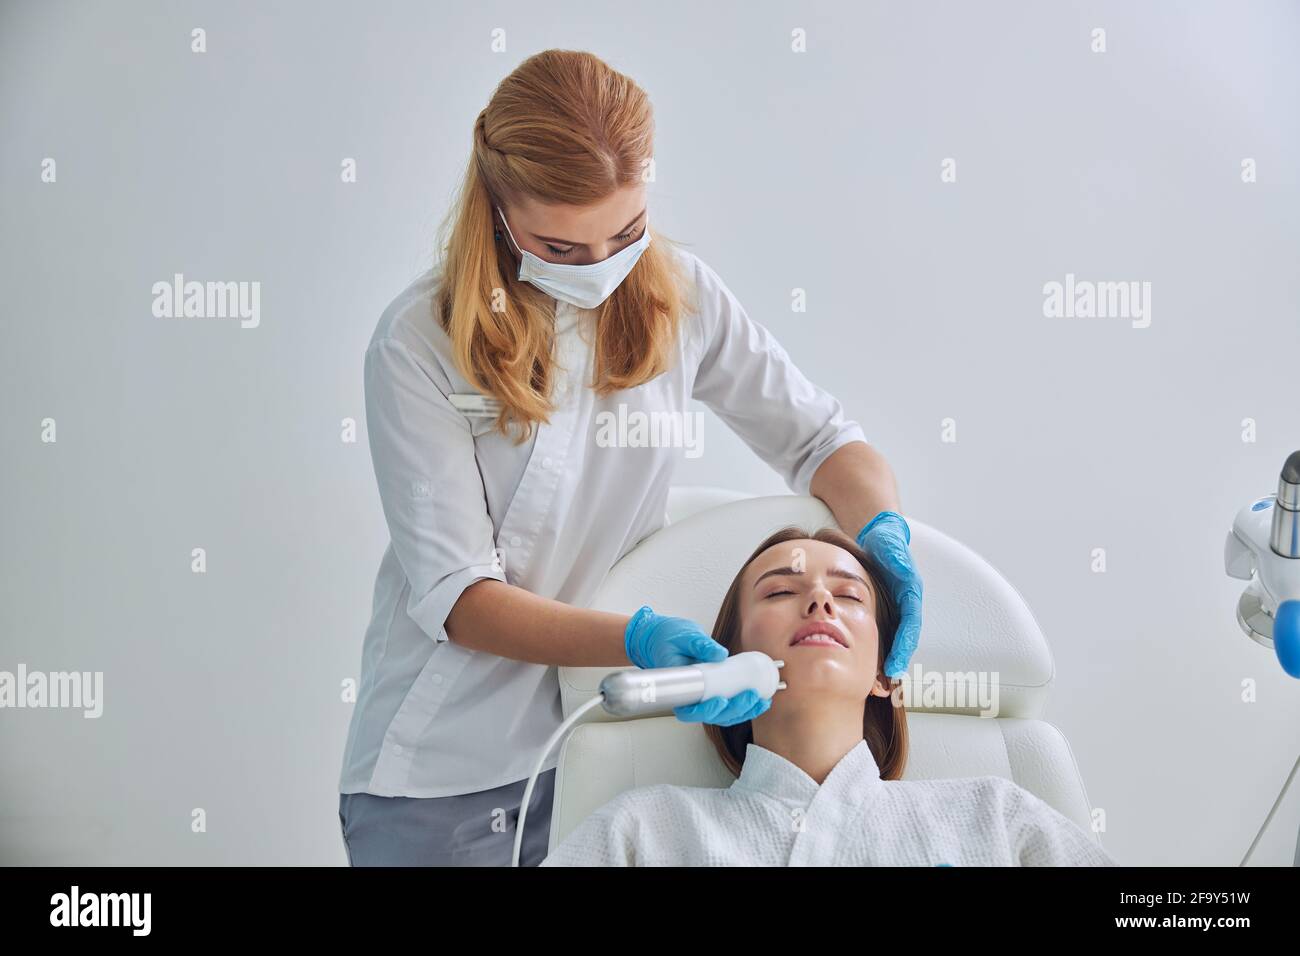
(819, 771)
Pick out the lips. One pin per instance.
(827, 632)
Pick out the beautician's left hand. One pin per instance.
(886, 538)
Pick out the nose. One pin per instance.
(598, 254)
(821, 598)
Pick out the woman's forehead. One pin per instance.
(802, 554)
(581, 225)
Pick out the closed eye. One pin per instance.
(851, 597)
(561, 253)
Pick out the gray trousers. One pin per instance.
(468, 829)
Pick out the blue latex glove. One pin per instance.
(655, 640)
(886, 538)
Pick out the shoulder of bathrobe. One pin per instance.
(1011, 799)
(640, 804)
(977, 793)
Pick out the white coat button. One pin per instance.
(516, 541)
(397, 748)
(546, 463)
(437, 678)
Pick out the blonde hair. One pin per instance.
(563, 128)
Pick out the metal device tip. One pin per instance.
(781, 686)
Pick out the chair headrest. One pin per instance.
(976, 629)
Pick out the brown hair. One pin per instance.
(884, 721)
(562, 129)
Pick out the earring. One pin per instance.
(496, 233)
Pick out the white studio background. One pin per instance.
(818, 170)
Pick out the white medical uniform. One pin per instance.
(434, 718)
(774, 814)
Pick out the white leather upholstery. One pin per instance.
(685, 500)
(974, 620)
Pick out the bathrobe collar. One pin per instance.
(765, 771)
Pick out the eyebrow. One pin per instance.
(567, 242)
(833, 572)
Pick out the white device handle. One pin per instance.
(749, 670)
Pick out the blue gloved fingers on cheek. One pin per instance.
(907, 637)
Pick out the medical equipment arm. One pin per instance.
(1263, 547)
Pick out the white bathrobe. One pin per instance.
(774, 814)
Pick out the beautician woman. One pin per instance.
(548, 305)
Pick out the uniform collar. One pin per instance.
(566, 315)
(767, 772)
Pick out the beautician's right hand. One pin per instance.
(655, 640)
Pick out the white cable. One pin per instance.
(528, 790)
(1276, 803)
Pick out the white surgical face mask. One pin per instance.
(584, 286)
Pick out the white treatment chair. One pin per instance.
(974, 620)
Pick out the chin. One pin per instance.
(823, 673)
